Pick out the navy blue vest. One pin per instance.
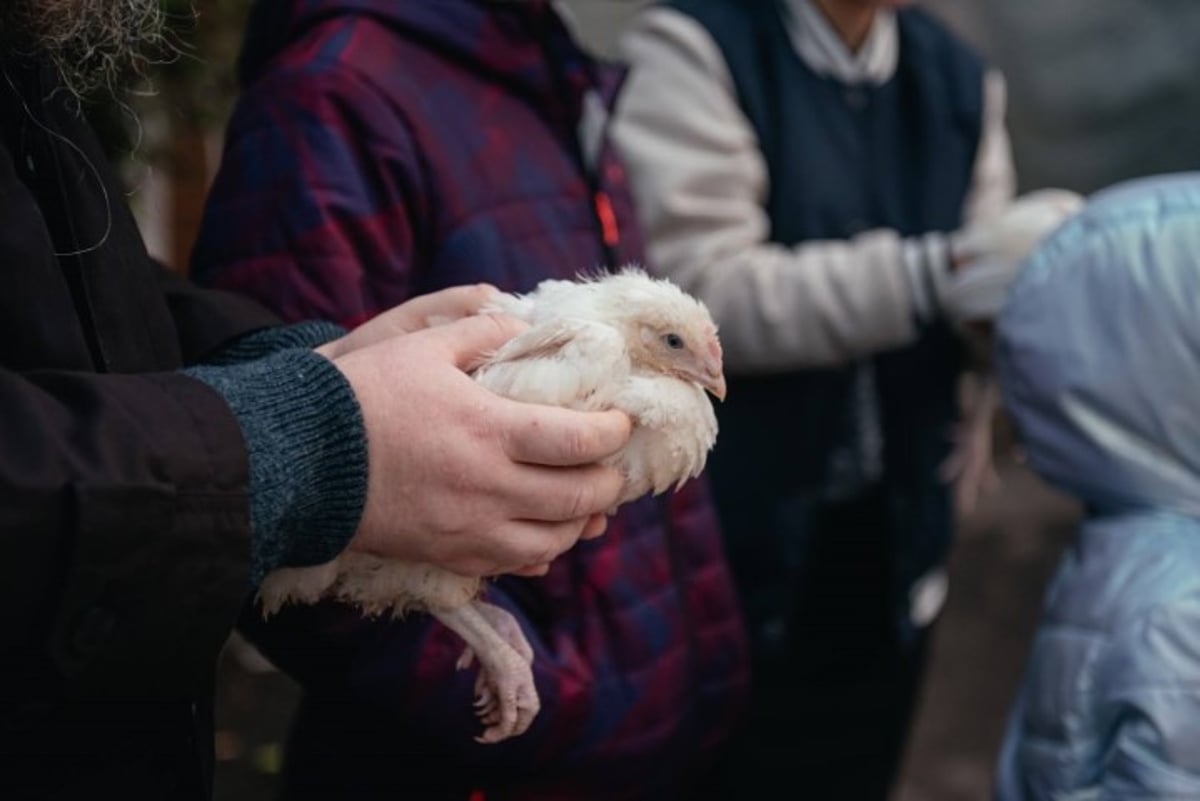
(842, 160)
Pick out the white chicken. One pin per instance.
(624, 341)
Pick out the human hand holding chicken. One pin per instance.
(472, 502)
(622, 342)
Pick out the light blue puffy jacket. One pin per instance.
(1098, 353)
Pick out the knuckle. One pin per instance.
(582, 501)
(545, 554)
(579, 443)
(480, 434)
(494, 321)
(481, 293)
(505, 325)
(614, 485)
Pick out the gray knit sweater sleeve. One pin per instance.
(307, 452)
(266, 341)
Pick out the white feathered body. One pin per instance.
(581, 351)
(575, 356)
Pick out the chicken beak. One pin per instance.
(714, 368)
(715, 384)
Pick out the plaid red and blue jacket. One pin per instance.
(386, 148)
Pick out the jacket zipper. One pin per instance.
(606, 220)
(603, 214)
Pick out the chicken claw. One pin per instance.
(506, 699)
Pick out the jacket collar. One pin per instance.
(823, 51)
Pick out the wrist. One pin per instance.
(267, 341)
(330, 350)
(306, 446)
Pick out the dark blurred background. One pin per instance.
(1099, 91)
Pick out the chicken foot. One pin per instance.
(506, 698)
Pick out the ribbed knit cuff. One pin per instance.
(266, 341)
(927, 268)
(307, 450)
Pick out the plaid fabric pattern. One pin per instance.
(386, 149)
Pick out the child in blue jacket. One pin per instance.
(1099, 358)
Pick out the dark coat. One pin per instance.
(123, 504)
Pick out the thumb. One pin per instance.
(472, 340)
(444, 306)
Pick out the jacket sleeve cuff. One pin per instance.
(926, 262)
(267, 341)
(307, 453)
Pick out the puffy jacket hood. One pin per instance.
(491, 37)
(1098, 350)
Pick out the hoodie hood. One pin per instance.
(488, 36)
(1098, 350)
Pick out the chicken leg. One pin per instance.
(506, 698)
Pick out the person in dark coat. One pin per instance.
(144, 427)
(447, 143)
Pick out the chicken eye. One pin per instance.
(673, 341)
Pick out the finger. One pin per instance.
(436, 308)
(595, 526)
(526, 543)
(472, 339)
(533, 571)
(444, 306)
(549, 435)
(555, 494)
